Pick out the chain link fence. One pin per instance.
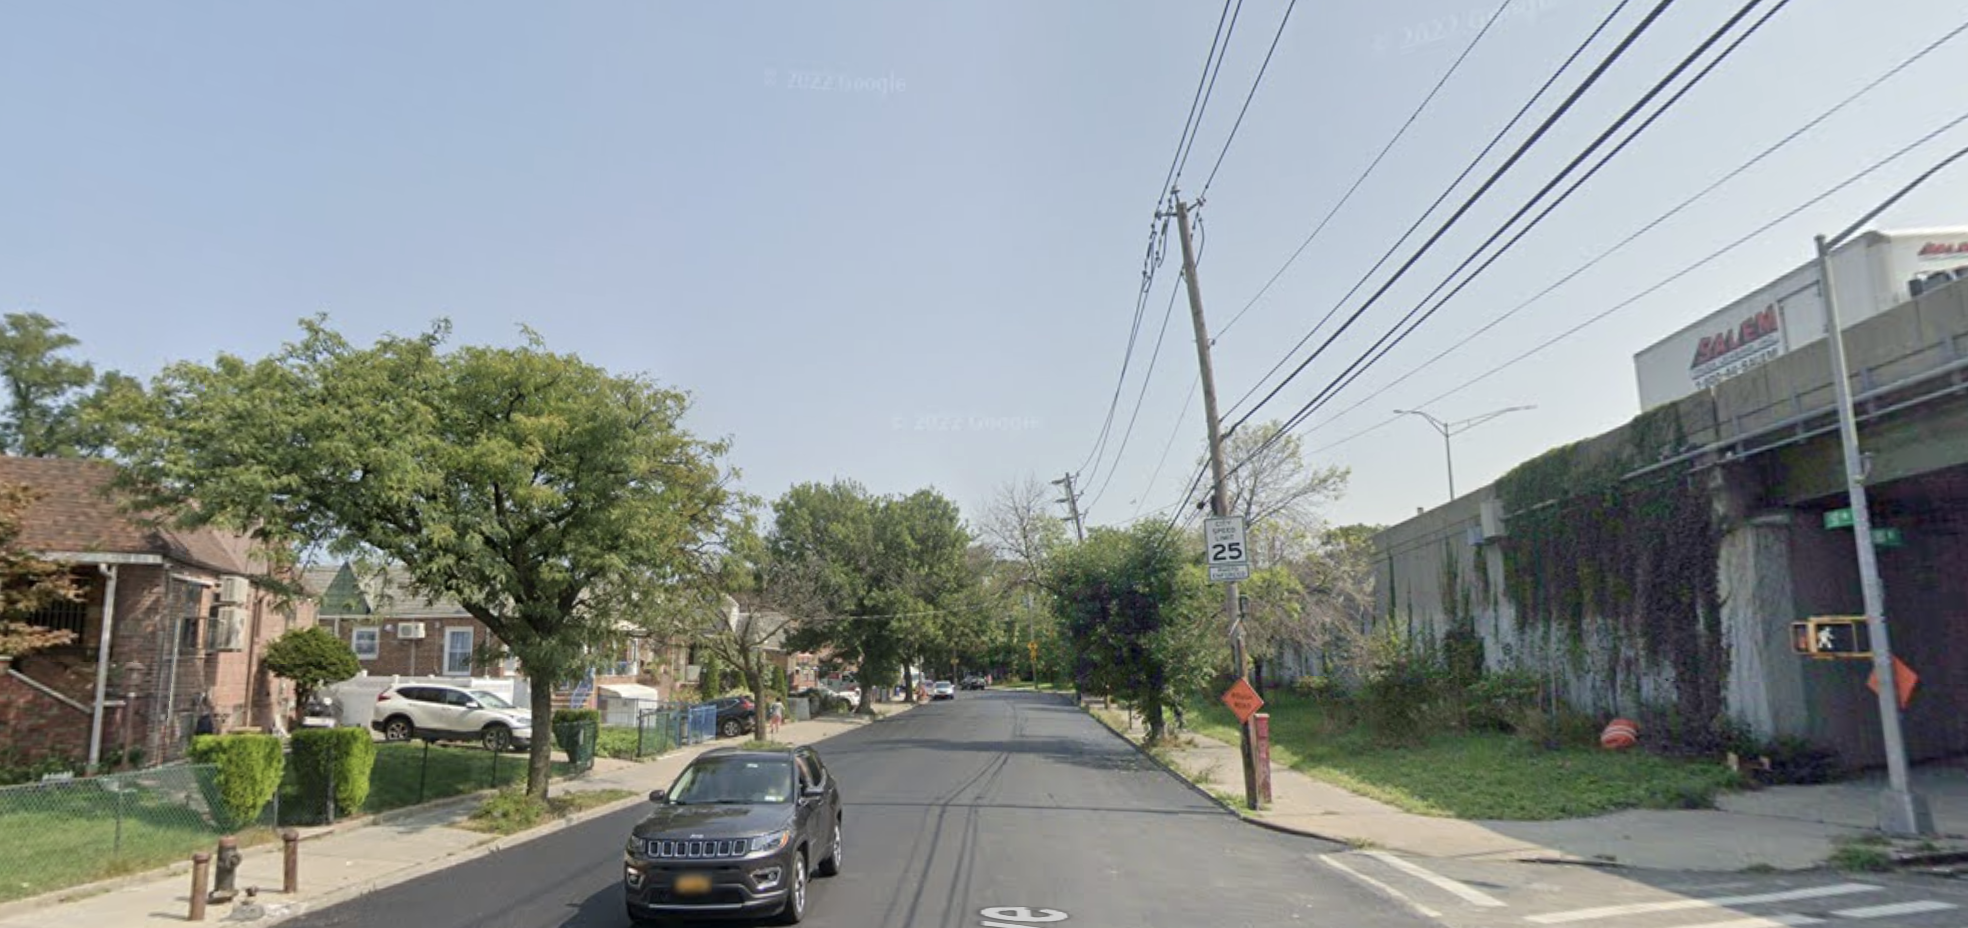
(68, 831)
(658, 732)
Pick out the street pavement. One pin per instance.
(996, 806)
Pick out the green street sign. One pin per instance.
(1888, 538)
(1838, 518)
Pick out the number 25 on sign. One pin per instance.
(1224, 551)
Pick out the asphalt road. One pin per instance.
(995, 800)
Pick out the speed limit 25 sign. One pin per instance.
(1223, 549)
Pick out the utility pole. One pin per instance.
(1072, 502)
(1220, 492)
(1901, 810)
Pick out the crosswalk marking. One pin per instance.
(1676, 905)
(1426, 912)
(1456, 887)
(1897, 908)
(1774, 921)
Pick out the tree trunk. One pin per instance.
(755, 678)
(867, 704)
(539, 757)
(1151, 711)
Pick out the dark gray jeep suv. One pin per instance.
(737, 834)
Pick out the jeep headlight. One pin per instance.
(772, 842)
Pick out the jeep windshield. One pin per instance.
(735, 780)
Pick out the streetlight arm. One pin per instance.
(1474, 421)
(1853, 229)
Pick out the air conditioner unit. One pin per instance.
(1492, 520)
(234, 589)
(410, 631)
(229, 629)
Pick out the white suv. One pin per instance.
(451, 713)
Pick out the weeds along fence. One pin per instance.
(68, 831)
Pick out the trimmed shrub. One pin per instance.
(345, 755)
(249, 765)
(710, 678)
(778, 679)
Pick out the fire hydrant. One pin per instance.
(226, 871)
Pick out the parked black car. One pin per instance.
(972, 683)
(736, 715)
(737, 834)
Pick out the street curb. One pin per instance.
(1212, 797)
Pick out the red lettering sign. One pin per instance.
(1943, 249)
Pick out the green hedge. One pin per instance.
(249, 773)
(350, 753)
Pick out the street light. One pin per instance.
(1901, 811)
(1452, 429)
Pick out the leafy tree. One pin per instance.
(548, 497)
(1273, 618)
(880, 578)
(1273, 483)
(1338, 579)
(53, 402)
(310, 657)
(27, 583)
(1140, 613)
(779, 682)
(710, 677)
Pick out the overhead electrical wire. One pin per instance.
(1372, 165)
(1450, 188)
(1158, 234)
(1147, 377)
(1208, 92)
(1174, 434)
(1678, 208)
(1257, 82)
(1416, 317)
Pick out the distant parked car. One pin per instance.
(943, 689)
(736, 715)
(451, 713)
(972, 683)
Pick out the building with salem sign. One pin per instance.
(1873, 273)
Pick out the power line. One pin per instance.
(1195, 105)
(1157, 238)
(1874, 84)
(1448, 190)
(1373, 165)
(1282, 20)
(1706, 260)
(1390, 339)
(1209, 91)
(1174, 433)
(1140, 399)
(1710, 258)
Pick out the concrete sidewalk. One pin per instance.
(1783, 828)
(343, 861)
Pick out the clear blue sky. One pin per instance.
(899, 241)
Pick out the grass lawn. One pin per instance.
(1475, 775)
(401, 778)
(512, 812)
(72, 833)
(620, 742)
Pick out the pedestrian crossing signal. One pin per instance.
(1832, 637)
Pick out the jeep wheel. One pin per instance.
(795, 899)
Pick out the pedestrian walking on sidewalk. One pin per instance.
(776, 716)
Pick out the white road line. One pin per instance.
(1383, 887)
(1676, 905)
(1458, 888)
(1774, 921)
(1898, 908)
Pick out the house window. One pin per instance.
(62, 615)
(188, 628)
(458, 652)
(367, 643)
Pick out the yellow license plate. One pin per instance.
(693, 884)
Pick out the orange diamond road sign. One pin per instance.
(1243, 700)
(1904, 680)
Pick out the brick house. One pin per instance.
(170, 630)
(395, 632)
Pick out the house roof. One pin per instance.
(343, 591)
(77, 512)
